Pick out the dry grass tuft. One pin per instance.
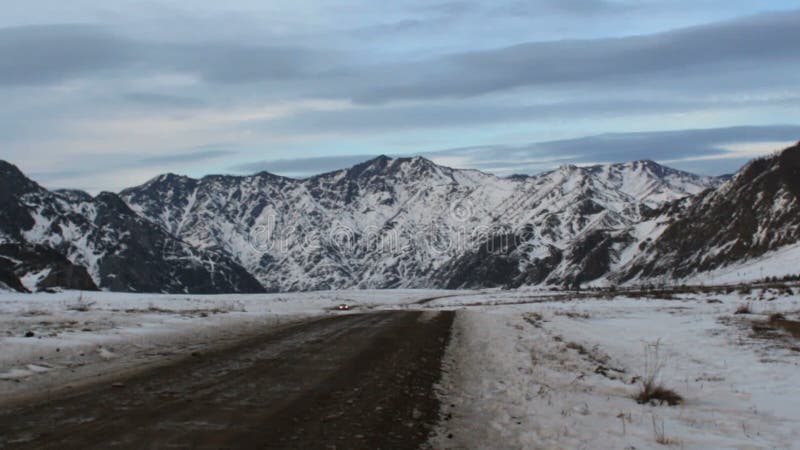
(652, 391)
(80, 304)
(578, 348)
(657, 394)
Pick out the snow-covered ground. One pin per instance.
(49, 341)
(525, 368)
(563, 374)
(777, 263)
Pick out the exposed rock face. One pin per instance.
(44, 268)
(14, 217)
(8, 279)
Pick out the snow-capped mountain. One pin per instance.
(572, 225)
(754, 212)
(119, 249)
(408, 222)
(403, 222)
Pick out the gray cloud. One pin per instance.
(618, 147)
(137, 79)
(208, 152)
(536, 157)
(762, 39)
(590, 6)
(120, 161)
(163, 100)
(46, 54)
(581, 7)
(438, 115)
(48, 177)
(453, 8)
(241, 63)
(400, 26)
(49, 54)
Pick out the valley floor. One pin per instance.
(523, 369)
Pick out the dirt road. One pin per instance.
(346, 382)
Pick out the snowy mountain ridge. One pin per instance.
(398, 222)
(401, 222)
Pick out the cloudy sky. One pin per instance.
(101, 95)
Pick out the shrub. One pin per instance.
(651, 390)
(655, 393)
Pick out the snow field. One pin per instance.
(564, 374)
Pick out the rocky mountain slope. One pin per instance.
(756, 211)
(408, 222)
(119, 250)
(26, 267)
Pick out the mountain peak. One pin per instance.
(638, 163)
(784, 164)
(423, 161)
(647, 164)
(10, 170)
(369, 167)
(5, 165)
(790, 154)
(385, 165)
(786, 159)
(13, 181)
(170, 177)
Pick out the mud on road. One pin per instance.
(339, 382)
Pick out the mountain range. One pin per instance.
(402, 222)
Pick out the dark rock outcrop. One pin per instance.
(57, 271)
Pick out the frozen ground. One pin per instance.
(525, 368)
(57, 341)
(563, 374)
